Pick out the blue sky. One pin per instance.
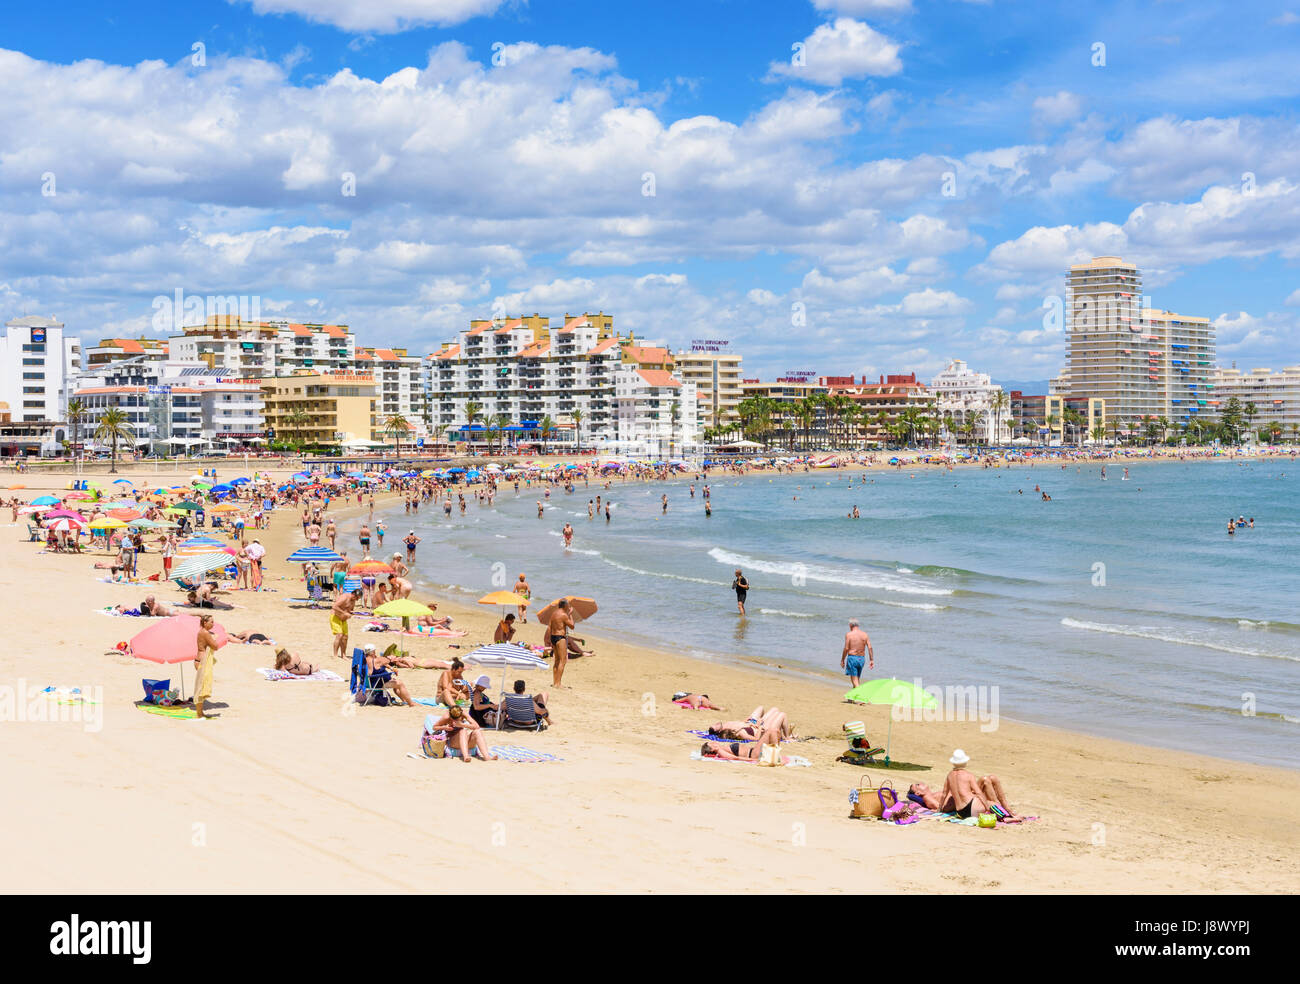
(781, 190)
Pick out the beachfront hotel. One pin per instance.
(1142, 362)
(170, 405)
(963, 395)
(1274, 395)
(716, 376)
(399, 386)
(322, 408)
(37, 364)
(516, 372)
(254, 349)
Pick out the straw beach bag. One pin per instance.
(870, 800)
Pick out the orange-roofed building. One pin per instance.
(253, 349)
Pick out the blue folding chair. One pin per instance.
(369, 687)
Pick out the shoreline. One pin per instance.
(271, 795)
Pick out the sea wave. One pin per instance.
(815, 572)
(1163, 635)
(672, 577)
(785, 614)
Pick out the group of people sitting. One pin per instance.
(964, 793)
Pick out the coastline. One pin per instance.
(278, 792)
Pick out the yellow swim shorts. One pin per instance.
(338, 626)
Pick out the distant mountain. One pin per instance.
(1034, 387)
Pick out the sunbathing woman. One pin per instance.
(696, 702)
(758, 722)
(736, 751)
(252, 638)
(464, 734)
(434, 621)
(391, 657)
(293, 664)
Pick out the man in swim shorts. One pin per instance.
(339, 615)
(741, 586)
(856, 647)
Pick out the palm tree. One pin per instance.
(295, 420)
(113, 426)
(674, 415)
(1099, 434)
(1295, 433)
(397, 425)
(1000, 402)
(473, 411)
(578, 417)
(1251, 411)
(502, 421)
(546, 428)
(1051, 422)
(76, 413)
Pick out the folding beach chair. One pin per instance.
(369, 687)
(518, 712)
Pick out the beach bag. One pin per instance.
(867, 800)
(987, 820)
(434, 744)
(154, 687)
(770, 755)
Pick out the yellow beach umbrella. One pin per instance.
(504, 598)
(225, 507)
(107, 523)
(405, 609)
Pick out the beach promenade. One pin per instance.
(293, 788)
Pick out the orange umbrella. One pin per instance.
(504, 598)
(225, 507)
(125, 514)
(579, 608)
(370, 567)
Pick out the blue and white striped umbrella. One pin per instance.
(314, 555)
(506, 654)
(352, 584)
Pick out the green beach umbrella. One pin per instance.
(891, 693)
(405, 609)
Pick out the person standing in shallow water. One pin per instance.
(741, 586)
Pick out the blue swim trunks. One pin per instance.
(853, 666)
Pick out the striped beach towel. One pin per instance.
(273, 674)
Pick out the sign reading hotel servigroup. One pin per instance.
(709, 344)
(796, 376)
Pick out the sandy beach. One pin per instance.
(292, 788)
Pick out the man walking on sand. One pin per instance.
(557, 636)
(339, 615)
(857, 645)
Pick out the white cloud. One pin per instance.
(863, 8)
(379, 16)
(1062, 107)
(843, 49)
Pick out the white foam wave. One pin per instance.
(785, 614)
(814, 572)
(1160, 635)
(674, 577)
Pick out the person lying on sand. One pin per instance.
(205, 596)
(576, 648)
(738, 752)
(759, 721)
(433, 621)
(464, 734)
(696, 702)
(963, 792)
(251, 638)
(391, 657)
(286, 661)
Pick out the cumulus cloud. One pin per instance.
(843, 49)
(1061, 107)
(379, 16)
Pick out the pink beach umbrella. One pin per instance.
(76, 517)
(64, 524)
(173, 641)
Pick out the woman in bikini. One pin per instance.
(464, 734)
(294, 664)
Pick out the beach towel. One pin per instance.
(506, 753)
(273, 674)
(710, 736)
(66, 695)
(441, 633)
(794, 760)
(171, 712)
(436, 704)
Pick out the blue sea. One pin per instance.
(1119, 608)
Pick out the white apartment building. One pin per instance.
(254, 349)
(37, 363)
(716, 377)
(657, 413)
(1276, 396)
(399, 386)
(523, 370)
(1142, 362)
(172, 405)
(964, 394)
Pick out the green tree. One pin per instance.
(473, 411)
(76, 414)
(578, 417)
(546, 428)
(114, 426)
(397, 425)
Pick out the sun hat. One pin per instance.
(483, 681)
(369, 647)
(959, 757)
